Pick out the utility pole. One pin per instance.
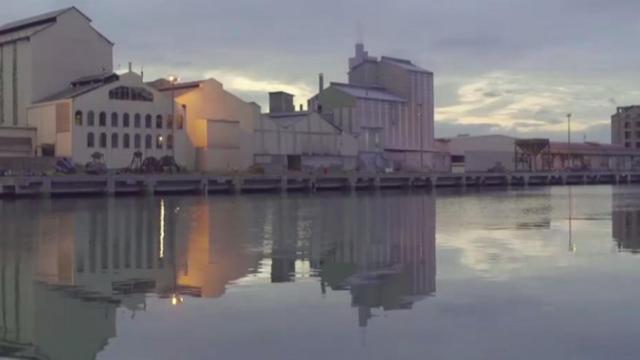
(569, 139)
(421, 137)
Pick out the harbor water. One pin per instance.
(530, 273)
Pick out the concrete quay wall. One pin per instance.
(123, 184)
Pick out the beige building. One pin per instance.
(625, 127)
(219, 123)
(112, 114)
(38, 57)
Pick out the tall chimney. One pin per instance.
(320, 82)
(130, 66)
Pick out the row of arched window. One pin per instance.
(126, 141)
(149, 121)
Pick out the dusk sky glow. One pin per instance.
(501, 66)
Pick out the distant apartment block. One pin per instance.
(625, 127)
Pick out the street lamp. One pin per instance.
(569, 139)
(173, 79)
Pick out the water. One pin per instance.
(545, 273)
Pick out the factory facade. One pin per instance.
(388, 105)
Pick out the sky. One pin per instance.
(514, 67)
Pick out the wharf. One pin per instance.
(123, 184)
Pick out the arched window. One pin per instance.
(159, 122)
(114, 141)
(147, 141)
(91, 140)
(114, 119)
(103, 140)
(169, 141)
(159, 141)
(136, 141)
(125, 120)
(102, 119)
(78, 118)
(136, 121)
(125, 141)
(180, 121)
(147, 121)
(169, 121)
(91, 118)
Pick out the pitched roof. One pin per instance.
(367, 92)
(40, 22)
(405, 64)
(37, 20)
(81, 86)
(165, 85)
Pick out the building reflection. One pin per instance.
(68, 265)
(387, 260)
(625, 222)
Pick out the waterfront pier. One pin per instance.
(133, 184)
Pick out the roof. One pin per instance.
(590, 148)
(405, 64)
(81, 86)
(367, 92)
(40, 22)
(165, 85)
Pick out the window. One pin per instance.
(136, 141)
(627, 134)
(169, 141)
(180, 121)
(114, 119)
(159, 122)
(159, 141)
(103, 140)
(626, 124)
(102, 119)
(136, 121)
(91, 118)
(91, 140)
(114, 141)
(169, 121)
(125, 141)
(130, 93)
(125, 120)
(147, 141)
(627, 145)
(78, 118)
(147, 121)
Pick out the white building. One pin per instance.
(38, 57)
(481, 153)
(219, 123)
(115, 115)
(388, 105)
(301, 140)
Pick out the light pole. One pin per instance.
(173, 79)
(421, 137)
(569, 139)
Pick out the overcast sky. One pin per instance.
(501, 66)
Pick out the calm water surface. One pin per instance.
(547, 273)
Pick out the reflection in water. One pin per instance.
(626, 223)
(67, 265)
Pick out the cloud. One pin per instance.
(518, 65)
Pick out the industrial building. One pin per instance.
(286, 139)
(501, 153)
(40, 56)
(115, 115)
(219, 123)
(388, 105)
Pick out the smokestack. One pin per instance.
(142, 72)
(130, 66)
(320, 82)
